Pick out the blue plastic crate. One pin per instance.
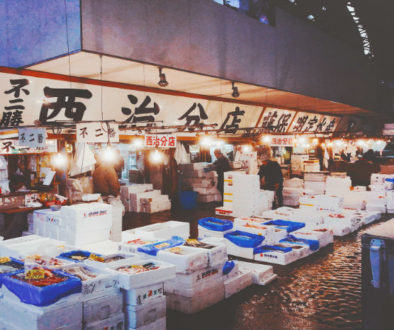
(286, 224)
(244, 239)
(216, 224)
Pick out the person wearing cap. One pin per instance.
(271, 177)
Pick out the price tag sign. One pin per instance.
(96, 258)
(35, 274)
(3, 260)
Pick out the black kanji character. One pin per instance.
(192, 120)
(330, 126)
(7, 146)
(310, 124)
(300, 124)
(99, 132)
(232, 128)
(16, 118)
(321, 125)
(18, 86)
(283, 122)
(31, 137)
(40, 138)
(84, 132)
(138, 116)
(65, 99)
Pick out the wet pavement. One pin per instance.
(322, 291)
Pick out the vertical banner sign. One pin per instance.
(99, 132)
(32, 137)
(160, 141)
(282, 141)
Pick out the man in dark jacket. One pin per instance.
(105, 179)
(220, 165)
(271, 176)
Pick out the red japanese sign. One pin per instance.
(160, 141)
(282, 141)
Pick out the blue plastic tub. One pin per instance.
(188, 200)
(15, 263)
(244, 239)
(153, 249)
(216, 224)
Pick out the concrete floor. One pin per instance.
(322, 291)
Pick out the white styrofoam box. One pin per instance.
(311, 201)
(16, 241)
(209, 198)
(125, 191)
(284, 213)
(85, 217)
(293, 183)
(315, 176)
(317, 187)
(355, 200)
(216, 249)
(240, 221)
(301, 249)
(164, 230)
(114, 322)
(277, 256)
(204, 232)
(233, 272)
(323, 235)
(258, 229)
(154, 206)
(241, 281)
(46, 223)
(377, 188)
(159, 324)
(290, 200)
(390, 200)
(310, 217)
(223, 210)
(103, 282)
(379, 178)
(196, 278)
(376, 207)
(107, 262)
(229, 175)
(238, 251)
(186, 259)
(377, 198)
(76, 238)
(135, 199)
(140, 315)
(143, 295)
(339, 228)
(42, 246)
(262, 274)
(128, 281)
(104, 247)
(132, 245)
(311, 165)
(206, 191)
(56, 316)
(201, 299)
(338, 185)
(102, 307)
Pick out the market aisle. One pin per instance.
(321, 292)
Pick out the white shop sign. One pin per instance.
(305, 122)
(277, 120)
(32, 137)
(97, 132)
(26, 99)
(160, 141)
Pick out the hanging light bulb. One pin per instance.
(266, 139)
(206, 141)
(163, 81)
(156, 157)
(246, 148)
(235, 90)
(137, 143)
(108, 155)
(59, 161)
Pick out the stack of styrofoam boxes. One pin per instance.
(283, 212)
(164, 230)
(316, 182)
(390, 201)
(356, 199)
(228, 190)
(47, 223)
(310, 216)
(194, 178)
(311, 165)
(235, 278)
(102, 301)
(136, 204)
(297, 161)
(243, 244)
(198, 288)
(85, 223)
(143, 293)
(155, 204)
(48, 312)
(380, 198)
(323, 235)
(388, 129)
(248, 199)
(338, 186)
(125, 192)
(292, 191)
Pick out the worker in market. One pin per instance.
(270, 174)
(105, 179)
(360, 172)
(20, 177)
(220, 165)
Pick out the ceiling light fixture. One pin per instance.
(235, 90)
(163, 81)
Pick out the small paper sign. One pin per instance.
(32, 137)
(99, 132)
(35, 274)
